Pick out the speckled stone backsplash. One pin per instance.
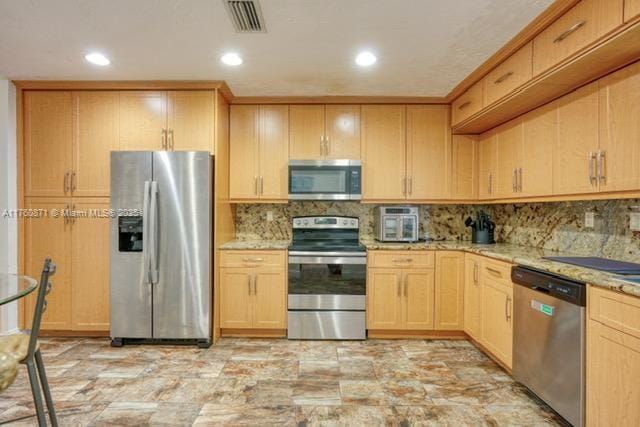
(555, 226)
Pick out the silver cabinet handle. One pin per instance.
(73, 181)
(322, 145)
(490, 183)
(249, 284)
(255, 285)
(569, 31)
(66, 186)
(602, 173)
(593, 165)
(326, 145)
(464, 105)
(402, 260)
(503, 77)
(520, 179)
(65, 214)
(494, 271)
(247, 259)
(410, 185)
(72, 217)
(507, 309)
(163, 139)
(514, 180)
(261, 185)
(170, 139)
(475, 273)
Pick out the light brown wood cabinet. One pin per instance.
(449, 291)
(631, 9)
(79, 300)
(467, 104)
(539, 133)
(259, 152)
(487, 165)
(253, 295)
(496, 310)
(508, 76)
(324, 132)
(464, 167)
(583, 24)
(509, 148)
(613, 358)
(472, 296)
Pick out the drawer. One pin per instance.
(509, 75)
(252, 258)
(614, 309)
(583, 24)
(496, 270)
(403, 259)
(467, 104)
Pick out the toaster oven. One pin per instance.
(397, 223)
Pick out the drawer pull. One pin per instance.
(252, 259)
(569, 31)
(503, 77)
(464, 105)
(402, 260)
(494, 271)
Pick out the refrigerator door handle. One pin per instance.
(153, 233)
(145, 233)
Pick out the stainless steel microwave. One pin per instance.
(325, 180)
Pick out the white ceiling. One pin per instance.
(424, 47)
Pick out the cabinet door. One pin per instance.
(467, 104)
(506, 77)
(274, 151)
(47, 143)
(449, 291)
(190, 120)
(49, 237)
(508, 158)
(384, 294)
(270, 299)
(464, 167)
(428, 151)
(243, 152)
(631, 9)
(497, 320)
(143, 118)
(383, 145)
(472, 296)
(573, 166)
(96, 133)
(487, 165)
(619, 130)
(306, 132)
(418, 299)
(343, 131)
(90, 267)
(613, 369)
(236, 306)
(540, 130)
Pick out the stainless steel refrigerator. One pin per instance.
(161, 246)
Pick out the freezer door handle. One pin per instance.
(153, 233)
(145, 233)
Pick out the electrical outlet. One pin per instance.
(589, 219)
(269, 215)
(634, 224)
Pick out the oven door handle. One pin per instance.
(335, 260)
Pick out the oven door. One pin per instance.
(327, 282)
(324, 180)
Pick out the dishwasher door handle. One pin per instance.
(540, 289)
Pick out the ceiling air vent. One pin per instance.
(246, 15)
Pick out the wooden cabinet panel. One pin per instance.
(274, 151)
(270, 293)
(384, 291)
(401, 259)
(90, 267)
(508, 158)
(190, 120)
(583, 24)
(47, 143)
(613, 369)
(512, 73)
(496, 326)
(243, 258)
(235, 298)
(96, 132)
(449, 291)
(619, 129)
(616, 310)
(243, 152)
(464, 167)
(383, 145)
(487, 165)
(143, 116)
(540, 131)
(467, 104)
(342, 131)
(573, 167)
(631, 9)
(418, 299)
(49, 237)
(306, 132)
(428, 151)
(472, 296)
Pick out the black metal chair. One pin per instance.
(33, 359)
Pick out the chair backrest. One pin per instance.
(44, 288)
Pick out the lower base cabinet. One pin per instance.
(472, 296)
(449, 291)
(253, 290)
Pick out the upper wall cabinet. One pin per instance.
(584, 23)
(631, 9)
(259, 152)
(464, 167)
(467, 104)
(324, 132)
(173, 120)
(509, 75)
(487, 165)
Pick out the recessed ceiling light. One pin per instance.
(365, 59)
(231, 58)
(97, 59)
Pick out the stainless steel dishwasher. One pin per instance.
(549, 340)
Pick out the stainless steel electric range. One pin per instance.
(327, 279)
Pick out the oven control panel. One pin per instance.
(325, 222)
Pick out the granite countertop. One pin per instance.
(515, 254)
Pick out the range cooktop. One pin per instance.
(601, 264)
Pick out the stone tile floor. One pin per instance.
(277, 382)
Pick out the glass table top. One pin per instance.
(13, 287)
